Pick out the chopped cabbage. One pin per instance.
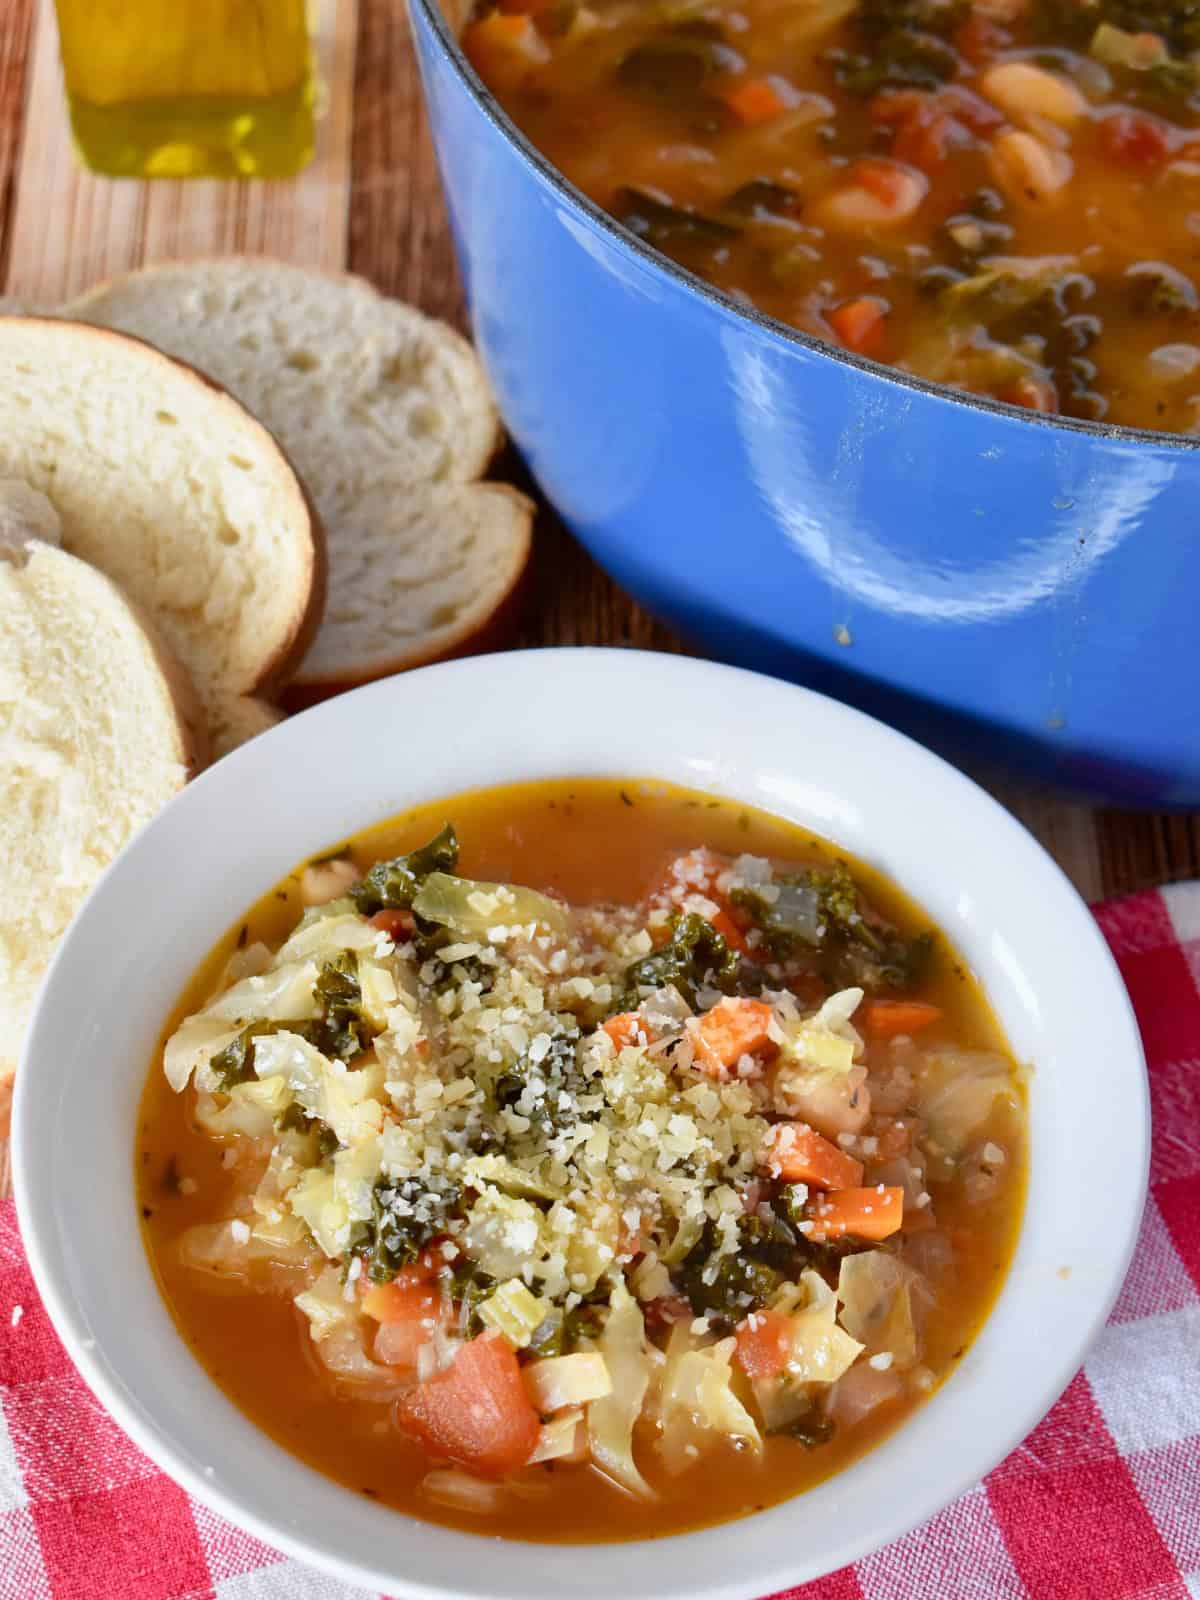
(479, 908)
(697, 1406)
(506, 1175)
(328, 930)
(355, 1173)
(610, 1420)
(820, 1350)
(573, 1380)
(956, 1093)
(380, 994)
(284, 993)
(875, 1291)
(503, 1234)
(516, 1312)
(559, 1437)
(251, 1109)
(193, 1045)
(824, 1043)
(314, 1202)
(338, 1329)
(342, 1097)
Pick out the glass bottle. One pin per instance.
(189, 88)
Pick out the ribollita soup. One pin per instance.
(581, 1161)
(999, 195)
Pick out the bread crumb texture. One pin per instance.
(93, 745)
(167, 485)
(390, 422)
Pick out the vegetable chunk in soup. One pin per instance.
(550, 1154)
(1003, 196)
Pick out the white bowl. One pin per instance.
(370, 754)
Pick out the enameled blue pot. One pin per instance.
(999, 582)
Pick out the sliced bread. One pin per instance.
(168, 485)
(389, 419)
(244, 720)
(97, 725)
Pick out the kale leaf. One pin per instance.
(662, 224)
(405, 1215)
(822, 912)
(905, 45)
(726, 1288)
(342, 1031)
(393, 884)
(540, 1086)
(694, 957)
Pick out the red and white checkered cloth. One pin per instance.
(1101, 1502)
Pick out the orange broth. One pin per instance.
(588, 840)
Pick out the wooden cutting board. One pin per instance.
(371, 202)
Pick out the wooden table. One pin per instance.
(372, 202)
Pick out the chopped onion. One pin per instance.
(461, 1492)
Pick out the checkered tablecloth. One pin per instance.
(1101, 1502)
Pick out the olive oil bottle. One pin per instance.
(189, 88)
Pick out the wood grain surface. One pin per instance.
(371, 201)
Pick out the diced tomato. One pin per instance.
(860, 324)
(979, 39)
(926, 142)
(764, 1342)
(477, 1411)
(1136, 138)
(396, 924)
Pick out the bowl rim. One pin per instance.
(548, 1569)
(565, 190)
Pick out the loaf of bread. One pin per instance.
(169, 486)
(99, 727)
(389, 419)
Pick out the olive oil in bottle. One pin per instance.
(189, 88)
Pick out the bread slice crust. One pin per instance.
(388, 416)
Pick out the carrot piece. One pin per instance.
(732, 1029)
(859, 324)
(866, 1213)
(626, 1028)
(1035, 394)
(887, 1018)
(764, 1342)
(505, 44)
(405, 1299)
(476, 1411)
(396, 924)
(729, 931)
(696, 873)
(795, 1152)
(757, 100)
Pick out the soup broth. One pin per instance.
(930, 1118)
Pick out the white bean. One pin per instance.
(1026, 169)
(1025, 93)
(325, 880)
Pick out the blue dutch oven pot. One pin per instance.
(995, 580)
